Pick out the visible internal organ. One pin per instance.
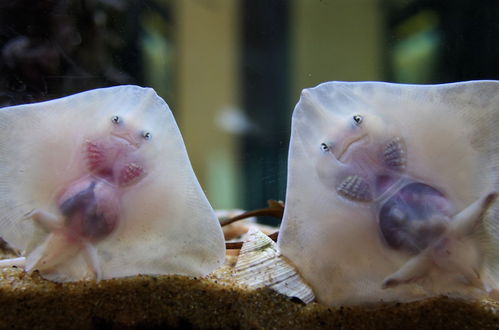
(355, 188)
(113, 159)
(95, 156)
(394, 154)
(417, 220)
(129, 174)
(90, 206)
(93, 212)
(414, 217)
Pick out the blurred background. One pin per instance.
(232, 70)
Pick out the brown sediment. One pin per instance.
(28, 301)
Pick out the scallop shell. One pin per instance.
(261, 265)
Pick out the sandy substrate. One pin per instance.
(28, 301)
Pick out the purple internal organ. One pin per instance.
(91, 205)
(414, 217)
(93, 212)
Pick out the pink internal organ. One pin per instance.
(129, 174)
(113, 159)
(95, 157)
(91, 205)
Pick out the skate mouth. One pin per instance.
(126, 139)
(341, 154)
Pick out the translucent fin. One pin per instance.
(450, 136)
(167, 225)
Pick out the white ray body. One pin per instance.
(167, 225)
(451, 134)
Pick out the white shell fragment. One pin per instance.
(392, 191)
(99, 185)
(260, 265)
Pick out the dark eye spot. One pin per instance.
(324, 147)
(357, 119)
(146, 135)
(116, 119)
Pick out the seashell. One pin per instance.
(99, 185)
(355, 188)
(431, 226)
(260, 265)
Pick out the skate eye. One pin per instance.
(146, 135)
(324, 147)
(116, 119)
(357, 119)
